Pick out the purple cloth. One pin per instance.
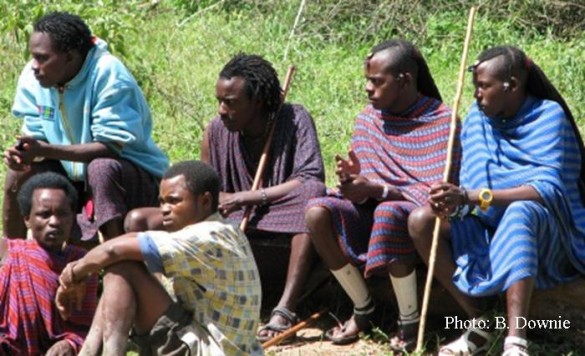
(294, 154)
(407, 151)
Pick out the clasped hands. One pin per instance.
(20, 156)
(444, 198)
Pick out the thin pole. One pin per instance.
(264, 157)
(303, 324)
(447, 173)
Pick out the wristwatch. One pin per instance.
(485, 198)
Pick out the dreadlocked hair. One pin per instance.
(517, 63)
(68, 32)
(409, 59)
(261, 80)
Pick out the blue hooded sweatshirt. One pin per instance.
(102, 103)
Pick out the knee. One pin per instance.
(420, 223)
(315, 216)
(527, 208)
(102, 167)
(136, 220)
(317, 219)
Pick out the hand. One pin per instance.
(61, 348)
(14, 158)
(347, 169)
(67, 279)
(66, 299)
(230, 202)
(355, 188)
(445, 197)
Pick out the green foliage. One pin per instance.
(176, 49)
(110, 19)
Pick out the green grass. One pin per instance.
(176, 56)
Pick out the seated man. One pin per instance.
(518, 218)
(399, 148)
(210, 302)
(86, 118)
(249, 98)
(29, 276)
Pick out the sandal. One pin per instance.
(361, 318)
(515, 346)
(463, 346)
(405, 339)
(291, 320)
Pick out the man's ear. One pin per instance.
(513, 84)
(207, 201)
(26, 221)
(404, 79)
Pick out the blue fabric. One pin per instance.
(502, 245)
(150, 253)
(101, 103)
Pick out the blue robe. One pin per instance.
(526, 239)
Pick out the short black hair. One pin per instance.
(67, 31)
(407, 58)
(46, 180)
(200, 178)
(261, 79)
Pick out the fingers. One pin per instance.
(353, 157)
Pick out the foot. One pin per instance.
(280, 321)
(515, 346)
(474, 341)
(349, 332)
(405, 339)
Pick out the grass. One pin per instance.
(176, 57)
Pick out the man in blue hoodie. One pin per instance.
(85, 117)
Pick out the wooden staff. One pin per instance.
(303, 324)
(447, 173)
(264, 157)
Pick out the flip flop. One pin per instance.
(361, 318)
(291, 319)
(405, 340)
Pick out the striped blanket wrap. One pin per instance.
(526, 239)
(29, 321)
(407, 151)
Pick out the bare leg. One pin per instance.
(324, 238)
(421, 223)
(302, 258)
(93, 342)
(12, 221)
(131, 297)
(518, 298)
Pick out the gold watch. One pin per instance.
(485, 198)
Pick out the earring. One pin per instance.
(506, 86)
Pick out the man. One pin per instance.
(518, 221)
(85, 117)
(208, 268)
(398, 149)
(249, 99)
(29, 322)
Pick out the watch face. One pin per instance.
(486, 195)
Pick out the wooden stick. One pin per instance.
(264, 157)
(303, 324)
(447, 173)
